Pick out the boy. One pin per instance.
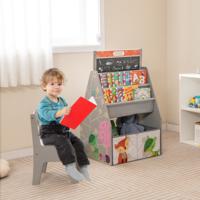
(50, 111)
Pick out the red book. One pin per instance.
(79, 111)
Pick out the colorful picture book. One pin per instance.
(142, 93)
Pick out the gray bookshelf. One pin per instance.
(96, 131)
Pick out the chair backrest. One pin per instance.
(46, 152)
(35, 131)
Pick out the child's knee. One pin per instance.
(61, 140)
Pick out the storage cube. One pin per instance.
(124, 149)
(148, 144)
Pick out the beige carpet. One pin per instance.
(175, 175)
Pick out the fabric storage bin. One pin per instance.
(136, 146)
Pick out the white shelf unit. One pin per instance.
(189, 86)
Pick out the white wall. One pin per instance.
(129, 24)
(182, 49)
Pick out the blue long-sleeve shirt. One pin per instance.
(47, 110)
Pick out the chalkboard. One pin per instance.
(117, 64)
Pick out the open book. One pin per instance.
(79, 111)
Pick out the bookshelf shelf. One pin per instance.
(194, 110)
(189, 86)
(130, 107)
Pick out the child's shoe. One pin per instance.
(73, 172)
(84, 171)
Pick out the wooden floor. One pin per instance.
(175, 175)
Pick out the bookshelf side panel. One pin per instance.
(96, 131)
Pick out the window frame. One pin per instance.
(85, 48)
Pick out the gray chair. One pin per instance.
(42, 154)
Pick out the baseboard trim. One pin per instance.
(17, 154)
(172, 127)
(164, 126)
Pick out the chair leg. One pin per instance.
(44, 167)
(37, 171)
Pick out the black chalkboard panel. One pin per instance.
(117, 64)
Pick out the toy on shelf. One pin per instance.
(115, 132)
(194, 102)
(128, 125)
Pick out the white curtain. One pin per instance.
(25, 44)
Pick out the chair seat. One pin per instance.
(47, 153)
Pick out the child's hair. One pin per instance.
(51, 73)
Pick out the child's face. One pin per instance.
(54, 87)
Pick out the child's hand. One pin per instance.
(64, 111)
(67, 110)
